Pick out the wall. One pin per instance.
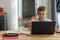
(49, 9)
(20, 8)
(14, 15)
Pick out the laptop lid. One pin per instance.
(43, 27)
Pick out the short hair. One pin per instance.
(41, 8)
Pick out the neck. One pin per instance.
(41, 19)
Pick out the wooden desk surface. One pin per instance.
(56, 36)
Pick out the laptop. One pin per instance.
(43, 28)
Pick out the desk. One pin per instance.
(56, 36)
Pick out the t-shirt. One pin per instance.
(37, 20)
(45, 19)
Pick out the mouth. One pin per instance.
(42, 17)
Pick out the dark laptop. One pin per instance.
(43, 27)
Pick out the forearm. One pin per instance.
(27, 25)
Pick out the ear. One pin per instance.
(45, 13)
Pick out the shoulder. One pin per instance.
(46, 19)
(37, 19)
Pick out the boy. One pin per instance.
(41, 12)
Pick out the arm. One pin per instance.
(27, 25)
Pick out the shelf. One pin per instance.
(3, 14)
(3, 21)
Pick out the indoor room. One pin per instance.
(19, 16)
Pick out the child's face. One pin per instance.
(41, 14)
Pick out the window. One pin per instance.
(58, 5)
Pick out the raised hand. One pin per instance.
(33, 18)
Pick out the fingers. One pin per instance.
(27, 25)
(33, 18)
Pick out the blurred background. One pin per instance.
(20, 11)
(28, 8)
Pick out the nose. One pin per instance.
(41, 16)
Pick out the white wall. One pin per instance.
(49, 9)
(20, 8)
(12, 15)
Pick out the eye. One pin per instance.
(42, 13)
(39, 13)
